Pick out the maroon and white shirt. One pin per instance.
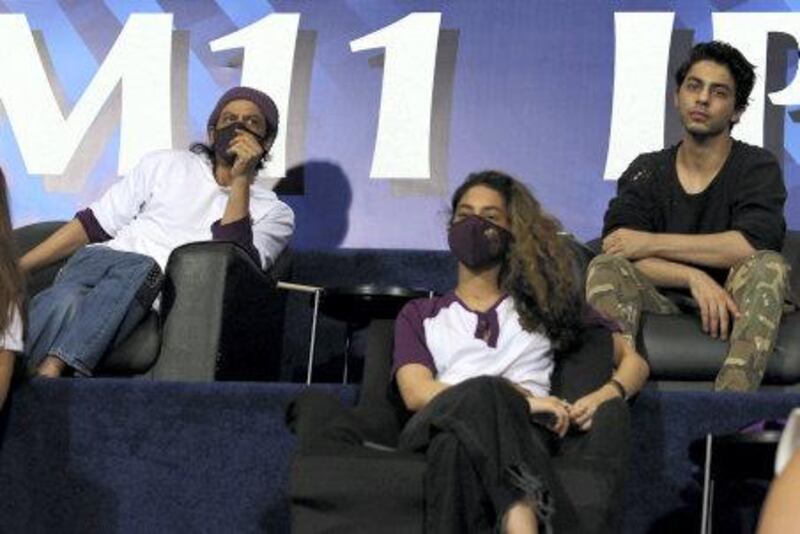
(457, 343)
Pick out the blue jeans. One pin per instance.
(96, 301)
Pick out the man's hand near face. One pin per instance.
(248, 152)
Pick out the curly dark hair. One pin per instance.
(11, 282)
(537, 270)
(724, 54)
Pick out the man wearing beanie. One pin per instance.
(172, 197)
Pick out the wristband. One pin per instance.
(616, 384)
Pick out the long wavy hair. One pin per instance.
(11, 284)
(537, 270)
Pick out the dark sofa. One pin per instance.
(220, 316)
(680, 355)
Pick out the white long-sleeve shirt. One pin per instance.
(171, 198)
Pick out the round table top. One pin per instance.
(359, 303)
(739, 455)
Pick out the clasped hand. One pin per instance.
(248, 152)
(627, 243)
(579, 414)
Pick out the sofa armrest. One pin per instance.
(25, 239)
(791, 252)
(222, 317)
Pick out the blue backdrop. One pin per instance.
(523, 86)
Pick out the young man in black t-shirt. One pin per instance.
(705, 216)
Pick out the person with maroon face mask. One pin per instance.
(475, 364)
(172, 197)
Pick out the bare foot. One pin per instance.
(51, 367)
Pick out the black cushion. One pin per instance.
(27, 237)
(137, 353)
(220, 317)
(585, 368)
(677, 349)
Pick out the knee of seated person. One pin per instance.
(770, 259)
(608, 262)
(151, 264)
(764, 265)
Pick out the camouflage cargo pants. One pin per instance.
(758, 285)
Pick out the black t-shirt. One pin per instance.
(747, 195)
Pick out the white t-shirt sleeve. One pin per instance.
(272, 232)
(126, 198)
(12, 337)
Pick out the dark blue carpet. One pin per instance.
(106, 455)
(121, 455)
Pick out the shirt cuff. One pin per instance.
(239, 232)
(90, 225)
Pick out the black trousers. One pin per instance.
(467, 487)
(483, 455)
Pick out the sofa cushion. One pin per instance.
(677, 349)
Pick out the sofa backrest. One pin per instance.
(27, 237)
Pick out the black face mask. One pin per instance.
(224, 136)
(477, 242)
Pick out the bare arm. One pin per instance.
(779, 513)
(724, 249)
(665, 273)
(238, 206)
(6, 370)
(418, 386)
(60, 244)
(632, 370)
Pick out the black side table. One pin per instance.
(732, 457)
(357, 305)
